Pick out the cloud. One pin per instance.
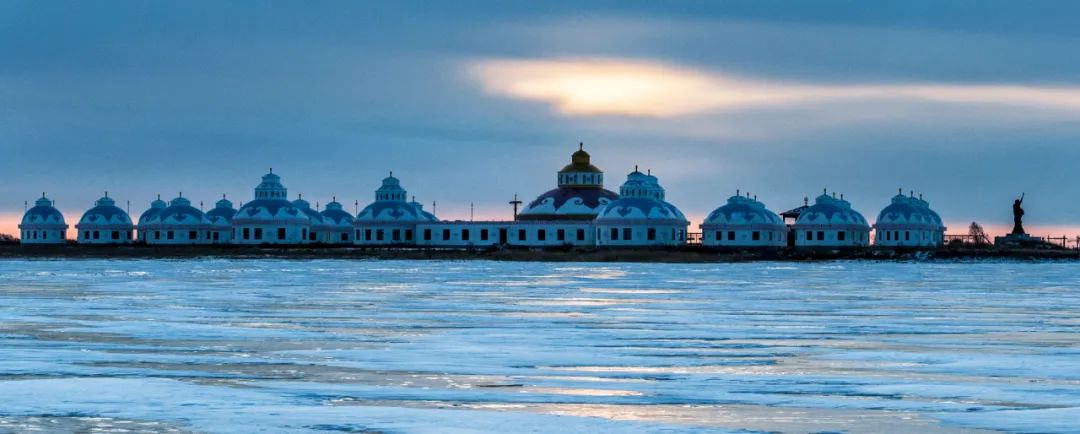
(642, 88)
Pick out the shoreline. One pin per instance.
(687, 254)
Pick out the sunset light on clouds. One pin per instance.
(633, 87)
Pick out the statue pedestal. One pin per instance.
(1021, 241)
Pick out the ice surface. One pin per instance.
(230, 346)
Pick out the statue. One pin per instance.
(1018, 216)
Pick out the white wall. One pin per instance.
(720, 237)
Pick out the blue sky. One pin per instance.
(967, 102)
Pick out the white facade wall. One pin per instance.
(104, 234)
(369, 233)
(177, 236)
(640, 234)
(831, 236)
(511, 233)
(283, 233)
(886, 235)
(743, 236)
(43, 236)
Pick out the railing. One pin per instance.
(1063, 241)
(693, 238)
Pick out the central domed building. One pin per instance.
(221, 229)
(908, 222)
(339, 224)
(831, 222)
(390, 219)
(580, 194)
(270, 218)
(178, 224)
(105, 223)
(640, 216)
(43, 224)
(743, 222)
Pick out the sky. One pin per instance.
(969, 103)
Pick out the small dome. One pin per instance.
(179, 213)
(42, 214)
(743, 211)
(580, 161)
(334, 215)
(105, 213)
(642, 199)
(313, 216)
(909, 210)
(828, 210)
(390, 206)
(222, 213)
(155, 207)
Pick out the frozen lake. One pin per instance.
(233, 346)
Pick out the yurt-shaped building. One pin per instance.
(270, 218)
(743, 222)
(640, 216)
(220, 218)
(43, 224)
(178, 224)
(831, 223)
(390, 219)
(339, 224)
(318, 231)
(105, 223)
(908, 221)
(580, 194)
(145, 226)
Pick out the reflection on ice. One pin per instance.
(385, 346)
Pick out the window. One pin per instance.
(821, 235)
(626, 234)
(464, 235)
(427, 234)
(258, 234)
(380, 234)
(408, 234)
(483, 234)
(907, 235)
(192, 235)
(560, 234)
(809, 236)
(217, 236)
(731, 235)
(281, 233)
(157, 235)
(841, 235)
(614, 234)
(86, 234)
(116, 235)
(395, 234)
(446, 234)
(344, 236)
(521, 235)
(304, 234)
(770, 236)
(541, 234)
(581, 234)
(169, 235)
(719, 236)
(312, 236)
(651, 234)
(755, 235)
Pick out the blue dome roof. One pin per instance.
(334, 215)
(222, 213)
(42, 214)
(642, 199)
(568, 202)
(828, 210)
(743, 211)
(179, 213)
(155, 207)
(305, 207)
(105, 213)
(270, 205)
(909, 210)
(395, 211)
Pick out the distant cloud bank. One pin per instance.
(643, 88)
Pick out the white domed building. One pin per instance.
(43, 224)
(640, 216)
(831, 222)
(145, 227)
(339, 224)
(390, 219)
(908, 222)
(105, 223)
(318, 230)
(220, 218)
(270, 218)
(178, 224)
(743, 222)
